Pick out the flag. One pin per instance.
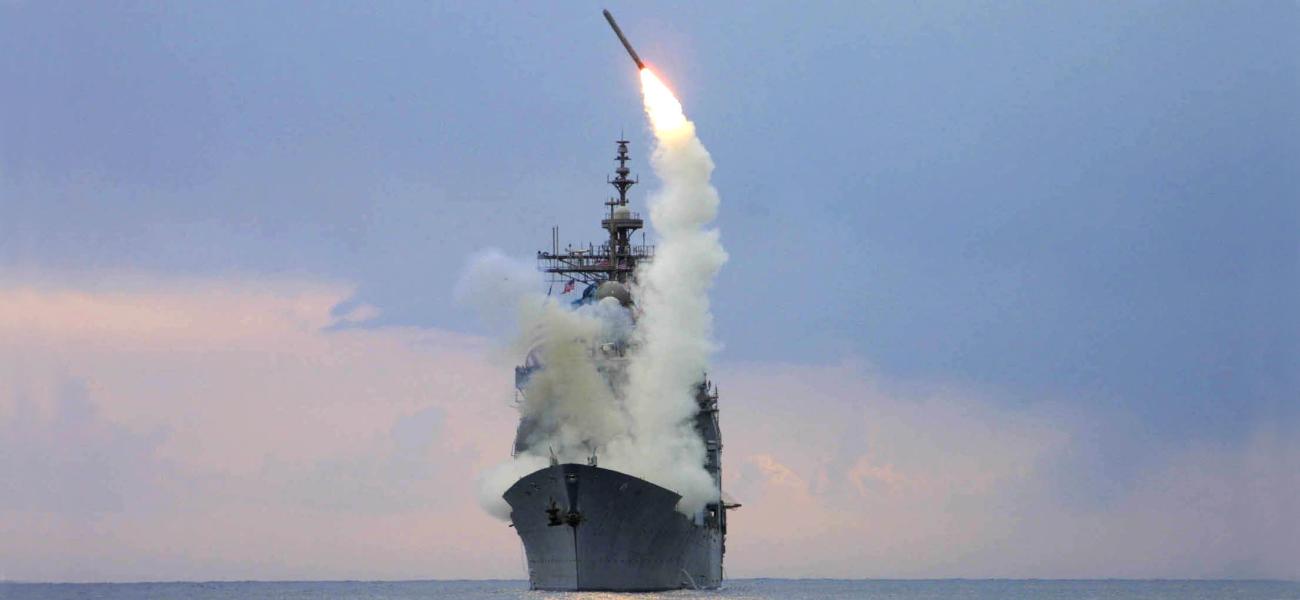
(568, 286)
(588, 295)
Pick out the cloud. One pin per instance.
(70, 460)
(225, 428)
(229, 428)
(845, 474)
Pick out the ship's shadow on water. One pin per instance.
(740, 589)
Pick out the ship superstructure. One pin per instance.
(586, 527)
(616, 259)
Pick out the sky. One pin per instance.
(1012, 292)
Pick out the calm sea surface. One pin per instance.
(738, 589)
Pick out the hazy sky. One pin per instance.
(1013, 287)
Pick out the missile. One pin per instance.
(619, 32)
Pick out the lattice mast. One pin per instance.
(616, 259)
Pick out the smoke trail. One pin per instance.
(674, 331)
(571, 408)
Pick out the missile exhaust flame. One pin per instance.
(664, 110)
(662, 107)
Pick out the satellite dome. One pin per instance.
(616, 290)
(622, 212)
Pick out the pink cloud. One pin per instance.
(274, 445)
(225, 428)
(843, 474)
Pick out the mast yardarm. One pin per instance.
(616, 259)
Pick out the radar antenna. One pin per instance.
(616, 259)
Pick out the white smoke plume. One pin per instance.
(572, 405)
(498, 288)
(641, 420)
(573, 408)
(674, 331)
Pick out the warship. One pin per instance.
(590, 528)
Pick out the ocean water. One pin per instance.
(740, 589)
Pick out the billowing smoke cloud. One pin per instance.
(497, 287)
(639, 417)
(674, 332)
(571, 408)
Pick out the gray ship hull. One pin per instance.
(588, 528)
